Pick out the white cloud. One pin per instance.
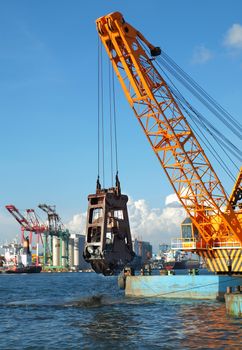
(155, 224)
(149, 224)
(77, 223)
(233, 37)
(172, 199)
(201, 54)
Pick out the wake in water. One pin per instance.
(93, 301)
(87, 302)
(103, 300)
(83, 302)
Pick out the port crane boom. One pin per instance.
(56, 237)
(171, 137)
(53, 217)
(28, 223)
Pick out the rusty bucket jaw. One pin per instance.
(108, 246)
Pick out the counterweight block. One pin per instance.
(108, 246)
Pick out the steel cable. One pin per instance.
(202, 100)
(212, 150)
(98, 112)
(201, 90)
(102, 118)
(115, 124)
(111, 124)
(219, 138)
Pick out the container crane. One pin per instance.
(56, 239)
(215, 222)
(53, 217)
(30, 223)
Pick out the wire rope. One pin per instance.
(201, 120)
(115, 123)
(200, 98)
(98, 112)
(201, 90)
(222, 136)
(212, 150)
(219, 138)
(102, 118)
(110, 121)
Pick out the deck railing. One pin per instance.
(183, 244)
(191, 243)
(227, 245)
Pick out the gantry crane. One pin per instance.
(216, 232)
(29, 223)
(59, 234)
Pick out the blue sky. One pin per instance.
(48, 94)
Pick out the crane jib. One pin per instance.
(215, 220)
(167, 130)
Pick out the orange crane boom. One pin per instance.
(180, 154)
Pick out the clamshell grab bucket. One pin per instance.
(108, 246)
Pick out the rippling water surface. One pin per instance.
(88, 311)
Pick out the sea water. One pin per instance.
(89, 311)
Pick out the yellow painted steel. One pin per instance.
(236, 257)
(223, 260)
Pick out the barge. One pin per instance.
(191, 286)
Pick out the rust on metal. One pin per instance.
(108, 246)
